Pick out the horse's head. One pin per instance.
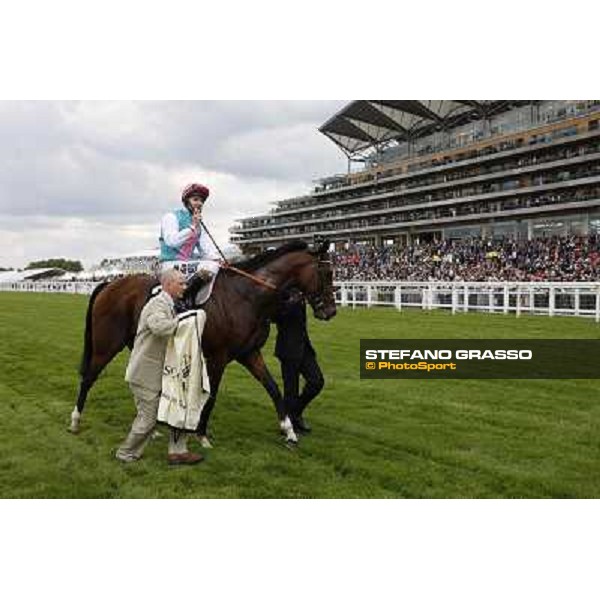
(315, 279)
(294, 265)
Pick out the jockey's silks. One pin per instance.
(184, 252)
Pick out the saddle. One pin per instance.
(196, 294)
(198, 291)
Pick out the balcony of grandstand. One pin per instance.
(439, 170)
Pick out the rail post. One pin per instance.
(398, 297)
(531, 301)
(344, 294)
(454, 299)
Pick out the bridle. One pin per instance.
(316, 298)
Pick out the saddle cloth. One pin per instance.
(189, 267)
(185, 384)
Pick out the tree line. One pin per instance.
(73, 266)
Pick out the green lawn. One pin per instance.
(383, 438)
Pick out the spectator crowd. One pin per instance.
(567, 258)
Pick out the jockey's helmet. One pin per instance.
(195, 189)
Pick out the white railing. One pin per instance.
(580, 299)
(56, 287)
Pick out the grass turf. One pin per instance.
(383, 438)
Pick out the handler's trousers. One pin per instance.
(291, 370)
(146, 402)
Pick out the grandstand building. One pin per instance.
(447, 169)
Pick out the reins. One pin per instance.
(258, 280)
(229, 267)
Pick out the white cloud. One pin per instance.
(293, 150)
(85, 180)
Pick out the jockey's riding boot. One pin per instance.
(300, 425)
(194, 284)
(195, 281)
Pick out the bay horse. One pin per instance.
(238, 314)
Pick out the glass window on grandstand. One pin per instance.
(517, 230)
(522, 230)
(594, 225)
(504, 230)
(560, 226)
(459, 233)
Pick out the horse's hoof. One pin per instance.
(291, 444)
(73, 430)
(204, 441)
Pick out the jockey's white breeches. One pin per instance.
(189, 267)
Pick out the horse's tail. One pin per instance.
(87, 337)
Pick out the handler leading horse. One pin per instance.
(237, 320)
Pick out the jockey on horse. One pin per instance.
(183, 244)
(238, 311)
(243, 302)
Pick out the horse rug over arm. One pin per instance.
(185, 384)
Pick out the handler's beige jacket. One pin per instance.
(157, 322)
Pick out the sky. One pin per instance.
(90, 180)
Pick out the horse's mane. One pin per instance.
(250, 264)
(260, 260)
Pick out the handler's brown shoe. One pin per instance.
(187, 458)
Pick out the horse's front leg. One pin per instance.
(214, 367)
(256, 365)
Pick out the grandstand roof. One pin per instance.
(363, 124)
